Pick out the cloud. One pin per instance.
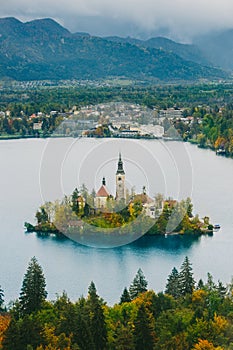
(180, 18)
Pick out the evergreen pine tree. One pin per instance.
(172, 286)
(125, 297)
(86, 210)
(96, 318)
(33, 292)
(82, 333)
(200, 284)
(1, 298)
(74, 201)
(143, 330)
(186, 280)
(222, 290)
(139, 285)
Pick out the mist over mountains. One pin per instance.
(43, 49)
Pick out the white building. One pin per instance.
(102, 196)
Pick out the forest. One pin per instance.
(187, 315)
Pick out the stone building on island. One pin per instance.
(103, 195)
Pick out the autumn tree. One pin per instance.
(11, 337)
(204, 344)
(24, 333)
(33, 292)
(4, 324)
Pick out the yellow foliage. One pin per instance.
(204, 344)
(219, 324)
(198, 296)
(4, 323)
(131, 209)
(60, 342)
(230, 147)
(220, 142)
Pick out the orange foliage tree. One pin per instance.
(4, 323)
(206, 345)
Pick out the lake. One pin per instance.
(35, 170)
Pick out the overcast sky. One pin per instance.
(179, 19)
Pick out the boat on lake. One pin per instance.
(217, 227)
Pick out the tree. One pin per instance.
(172, 286)
(186, 280)
(200, 284)
(86, 210)
(96, 318)
(11, 339)
(1, 298)
(82, 333)
(33, 292)
(4, 324)
(139, 285)
(42, 216)
(24, 333)
(204, 344)
(189, 207)
(125, 297)
(74, 201)
(143, 330)
(84, 191)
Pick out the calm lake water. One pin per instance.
(34, 171)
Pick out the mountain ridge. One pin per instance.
(188, 52)
(43, 49)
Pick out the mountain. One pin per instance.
(218, 48)
(186, 51)
(43, 49)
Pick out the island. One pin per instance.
(102, 216)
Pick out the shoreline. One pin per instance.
(58, 234)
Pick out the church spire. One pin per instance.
(120, 169)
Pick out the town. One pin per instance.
(118, 119)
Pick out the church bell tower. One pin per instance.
(120, 181)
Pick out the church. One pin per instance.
(103, 196)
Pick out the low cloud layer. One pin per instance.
(180, 19)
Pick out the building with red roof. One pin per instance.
(102, 196)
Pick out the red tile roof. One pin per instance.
(103, 192)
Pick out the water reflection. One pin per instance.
(171, 242)
(160, 242)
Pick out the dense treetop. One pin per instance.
(187, 316)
